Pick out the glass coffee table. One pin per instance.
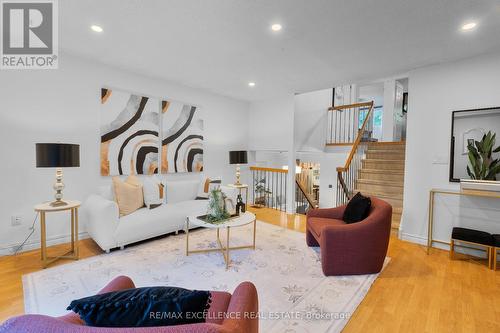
(244, 219)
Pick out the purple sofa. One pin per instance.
(357, 248)
(242, 307)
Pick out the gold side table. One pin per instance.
(45, 208)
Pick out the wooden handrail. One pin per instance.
(359, 137)
(308, 197)
(256, 168)
(351, 106)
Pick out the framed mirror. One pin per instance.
(468, 126)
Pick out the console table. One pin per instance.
(44, 208)
(470, 193)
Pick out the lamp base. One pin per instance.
(237, 175)
(58, 187)
(58, 203)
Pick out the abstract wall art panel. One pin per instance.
(182, 138)
(129, 133)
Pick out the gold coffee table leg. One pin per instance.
(43, 240)
(227, 249)
(72, 231)
(187, 237)
(76, 248)
(254, 231)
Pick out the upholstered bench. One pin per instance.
(496, 243)
(474, 237)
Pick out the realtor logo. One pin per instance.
(29, 34)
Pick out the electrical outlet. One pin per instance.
(330, 186)
(16, 220)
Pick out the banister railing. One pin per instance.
(343, 123)
(347, 174)
(303, 200)
(269, 187)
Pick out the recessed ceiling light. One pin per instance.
(96, 28)
(251, 84)
(469, 26)
(276, 27)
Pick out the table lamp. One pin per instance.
(238, 157)
(57, 155)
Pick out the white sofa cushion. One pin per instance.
(128, 194)
(207, 185)
(181, 190)
(146, 223)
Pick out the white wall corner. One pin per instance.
(388, 114)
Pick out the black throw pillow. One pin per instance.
(143, 307)
(357, 209)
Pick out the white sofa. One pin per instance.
(109, 230)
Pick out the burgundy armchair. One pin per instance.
(348, 249)
(242, 307)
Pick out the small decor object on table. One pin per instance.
(240, 189)
(240, 205)
(217, 211)
(44, 208)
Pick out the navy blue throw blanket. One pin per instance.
(143, 307)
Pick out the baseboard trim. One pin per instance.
(417, 239)
(35, 244)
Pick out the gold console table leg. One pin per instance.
(43, 241)
(431, 221)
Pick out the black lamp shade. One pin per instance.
(57, 155)
(238, 157)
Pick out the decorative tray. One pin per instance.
(205, 219)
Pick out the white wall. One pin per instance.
(311, 119)
(434, 92)
(271, 130)
(63, 105)
(388, 114)
(309, 135)
(271, 124)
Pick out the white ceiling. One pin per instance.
(221, 45)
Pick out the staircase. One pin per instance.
(382, 175)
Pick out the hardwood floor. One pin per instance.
(415, 293)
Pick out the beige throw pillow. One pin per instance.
(128, 194)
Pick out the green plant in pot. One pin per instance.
(482, 166)
(217, 211)
(261, 192)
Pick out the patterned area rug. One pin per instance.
(294, 296)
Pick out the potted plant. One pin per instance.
(260, 193)
(217, 211)
(482, 166)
